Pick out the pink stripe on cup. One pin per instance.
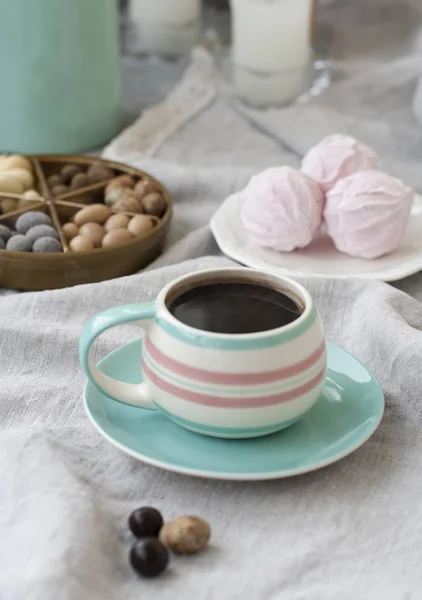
(221, 402)
(219, 378)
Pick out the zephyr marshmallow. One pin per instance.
(282, 209)
(335, 157)
(366, 213)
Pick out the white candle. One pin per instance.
(164, 27)
(271, 49)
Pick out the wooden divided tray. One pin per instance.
(50, 270)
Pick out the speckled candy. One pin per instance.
(5, 233)
(335, 157)
(367, 213)
(19, 243)
(40, 231)
(47, 244)
(282, 209)
(31, 219)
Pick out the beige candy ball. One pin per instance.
(116, 237)
(96, 213)
(9, 205)
(31, 195)
(185, 535)
(121, 181)
(114, 190)
(80, 243)
(70, 231)
(15, 161)
(116, 222)
(99, 173)
(23, 175)
(128, 202)
(11, 185)
(154, 204)
(29, 199)
(94, 232)
(114, 194)
(140, 224)
(146, 186)
(118, 195)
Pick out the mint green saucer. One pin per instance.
(345, 416)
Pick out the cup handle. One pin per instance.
(129, 393)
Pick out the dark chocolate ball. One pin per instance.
(54, 180)
(99, 173)
(69, 171)
(149, 557)
(59, 190)
(79, 181)
(145, 522)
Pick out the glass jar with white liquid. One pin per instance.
(271, 49)
(164, 27)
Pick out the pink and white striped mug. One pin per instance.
(223, 385)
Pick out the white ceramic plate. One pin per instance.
(320, 259)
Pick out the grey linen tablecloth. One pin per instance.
(350, 531)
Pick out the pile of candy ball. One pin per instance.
(106, 225)
(16, 177)
(95, 226)
(73, 177)
(33, 232)
(149, 555)
(364, 210)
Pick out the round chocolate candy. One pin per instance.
(145, 522)
(98, 173)
(54, 180)
(80, 180)
(68, 172)
(149, 557)
(59, 190)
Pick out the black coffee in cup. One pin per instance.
(234, 307)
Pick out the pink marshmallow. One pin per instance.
(367, 213)
(282, 209)
(336, 157)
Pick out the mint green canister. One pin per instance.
(60, 72)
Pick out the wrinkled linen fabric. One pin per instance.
(350, 531)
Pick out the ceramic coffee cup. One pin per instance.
(223, 385)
